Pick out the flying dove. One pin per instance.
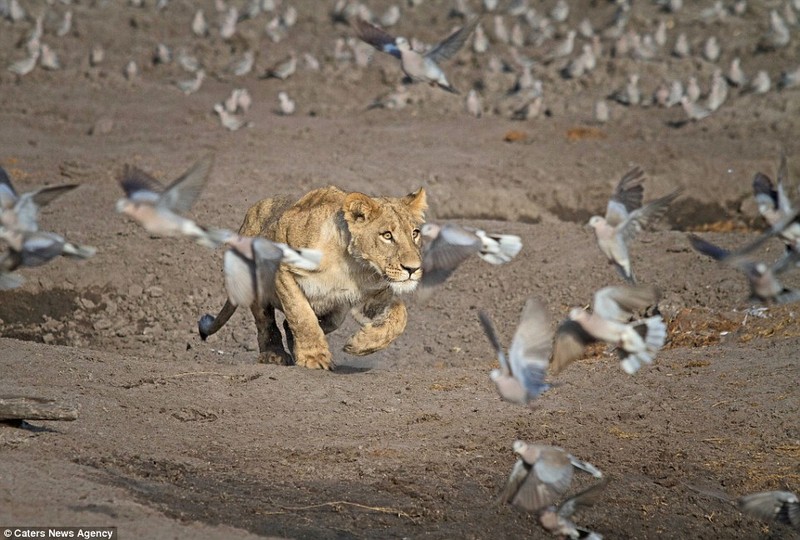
(250, 265)
(28, 249)
(446, 246)
(418, 66)
(764, 285)
(556, 519)
(625, 217)
(780, 506)
(637, 341)
(541, 475)
(21, 212)
(520, 378)
(158, 208)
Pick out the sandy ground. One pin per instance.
(178, 438)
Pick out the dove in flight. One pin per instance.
(423, 67)
(446, 246)
(764, 285)
(637, 341)
(520, 378)
(556, 519)
(21, 212)
(541, 475)
(625, 217)
(158, 208)
(780, 506)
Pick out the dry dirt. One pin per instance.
(178, 438)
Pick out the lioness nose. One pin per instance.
(410, 269)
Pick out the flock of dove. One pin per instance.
(624, 316)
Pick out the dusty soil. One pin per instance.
(180, 438)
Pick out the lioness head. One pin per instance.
(384, 233)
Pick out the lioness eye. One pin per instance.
(387, 235)
(415, 234)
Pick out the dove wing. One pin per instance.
(43, 196)
(39, 248)
(184, 190)
(446, 252)
(570, 341)
(530, 349)
(134, 179)
(772, 505)
(488, 329)
(518, 474)
(587, 497)
(267, 257)
(647, 215)
(450, 45)
(630, 191)
(620, 303)
(8, 195)
(377, 37)
(238, 278)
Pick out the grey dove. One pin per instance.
(625, 217)
(28, 249)
(446, 246)
(764, 285)
(520, 378)
(250, 265)
(418, 66)
(21, 212)
(541, 475)
(780, 506)
(157, 208)
(637, 341)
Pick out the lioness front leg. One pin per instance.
(380, 325)
(310, 346)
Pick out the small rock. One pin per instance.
(155, 291)
(102, 324)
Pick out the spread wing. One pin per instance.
(448, 47)
(647, 215)
(181, 193)
(530, 349)
(627, 196)
(45, 195)
(377, 37)
(737, 260)
(620, 303)
(451, 247)
(587, 497)
(549, 477)
(781, 506)
(570, 341)
(8, 195)
(134, 180)
(488, 329)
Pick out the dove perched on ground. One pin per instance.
(26, 65)
(601, 113)
(556, 520)
(736, 76)
(630, 94)
(395, 100)
(229, 121)
(199, 24)
(21, 212)
(473, 104)
(157, 208)
(446, 246)
(418, 66)
(162, 54)
(761, 83)
(764, 285)
(789, 78)
(625, 217)
(637, 341)
(541, 475)
(131, 70)
(778, 34)
(96, 55)
(520, 378)
(285, 103)
(250, 265)
(681, 48)
(191, 86)
(780, 506)
(283, 69)
(775, 205)
(244, 65)
(711, 49)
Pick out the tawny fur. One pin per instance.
(362, 270)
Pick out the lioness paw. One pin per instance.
(318, 359)
(363, 343)
(274, 356)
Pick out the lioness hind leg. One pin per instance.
(270, 342)
(379, 331)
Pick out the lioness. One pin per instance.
(371, 254)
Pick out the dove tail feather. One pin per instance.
(80, 252)
(499, 248)
(585, 467)
(654, 334)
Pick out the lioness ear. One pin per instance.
(360, 207)
(417, 202)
